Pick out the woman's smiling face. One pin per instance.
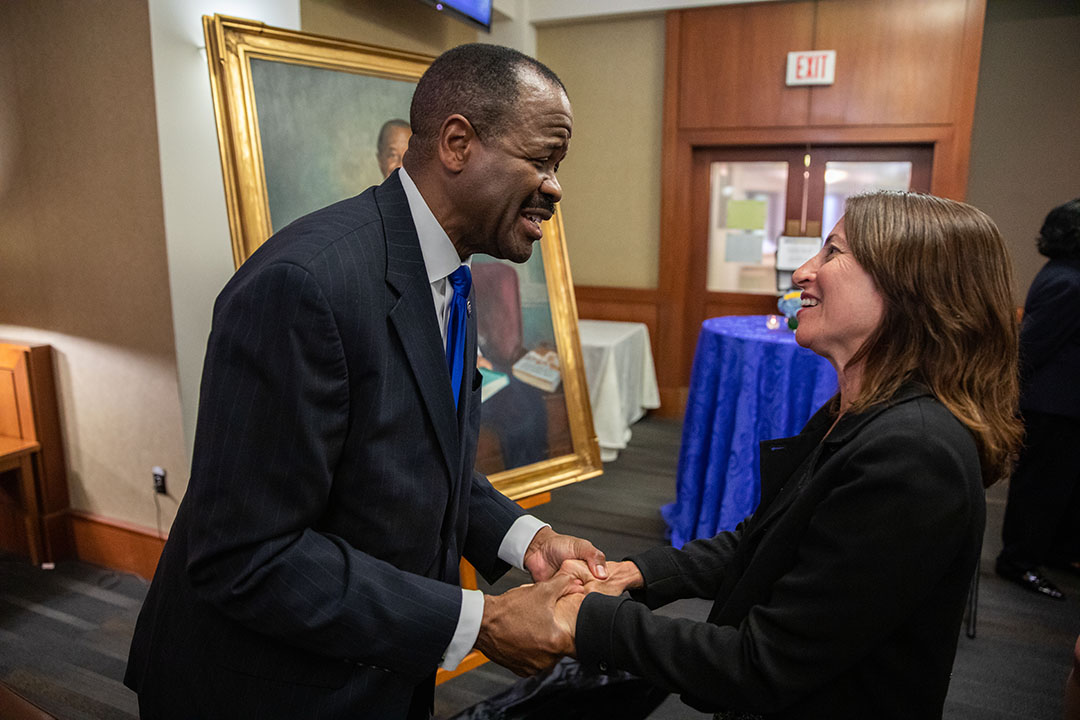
(841, 305)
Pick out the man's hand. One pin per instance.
(566, 612)
(620, 576)
(548, 550)
(520, 631)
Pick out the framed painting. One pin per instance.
(304, 121)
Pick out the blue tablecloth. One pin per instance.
(749, 384)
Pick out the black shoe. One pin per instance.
(1029, 579)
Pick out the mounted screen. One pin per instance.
(474, 12)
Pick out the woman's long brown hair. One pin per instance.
(948, 321)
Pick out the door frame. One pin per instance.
(684, 222)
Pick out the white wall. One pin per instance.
(196, 224)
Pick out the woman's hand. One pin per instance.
(620, 576)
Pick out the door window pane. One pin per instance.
(746, 215)
(844, 179)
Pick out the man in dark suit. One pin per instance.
(312, 570)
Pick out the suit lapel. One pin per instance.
(412, 314)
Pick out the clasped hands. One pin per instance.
(529, 628)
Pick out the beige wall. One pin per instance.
(82, 253)
(400, 25)
(614, 73)
(1025, 154)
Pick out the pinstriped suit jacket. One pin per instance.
(312, 567)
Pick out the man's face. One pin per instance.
(389, 156)
(512, 185)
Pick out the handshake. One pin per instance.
(529, 628)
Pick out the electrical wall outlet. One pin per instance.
(159, 480)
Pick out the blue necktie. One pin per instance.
(461, 281)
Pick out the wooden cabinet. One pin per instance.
(33, 480)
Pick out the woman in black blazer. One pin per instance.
(842, 595)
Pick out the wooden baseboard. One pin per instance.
(116, 544)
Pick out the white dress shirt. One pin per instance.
(441, 259)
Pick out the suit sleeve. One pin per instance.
(858, 572)
(1047, 323)
(273, 418)
(490, 516)
(694, 571)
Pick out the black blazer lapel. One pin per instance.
(785, 474)
(413, 317)
(781, 459)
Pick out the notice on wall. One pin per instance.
(791, 252)
(746, 214)
(743, 247)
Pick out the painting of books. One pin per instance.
(539, 370)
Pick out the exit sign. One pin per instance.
(811, 67)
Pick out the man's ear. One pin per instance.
(456, 137)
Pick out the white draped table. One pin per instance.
(621, 377)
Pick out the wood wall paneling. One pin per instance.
(963, 110)
(620, 304)
(674, 256)
(732, 57)
(897, 61)
(729, 303)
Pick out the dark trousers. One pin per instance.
(423, 700)
(1042, 517)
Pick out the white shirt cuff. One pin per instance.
(511, 550)
(468, 627)
(516, 541)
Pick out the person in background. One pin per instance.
(1042, 516)
(391, 146)
(843, 594)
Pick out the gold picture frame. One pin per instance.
(263, 80)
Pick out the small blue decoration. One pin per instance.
(789, 304)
